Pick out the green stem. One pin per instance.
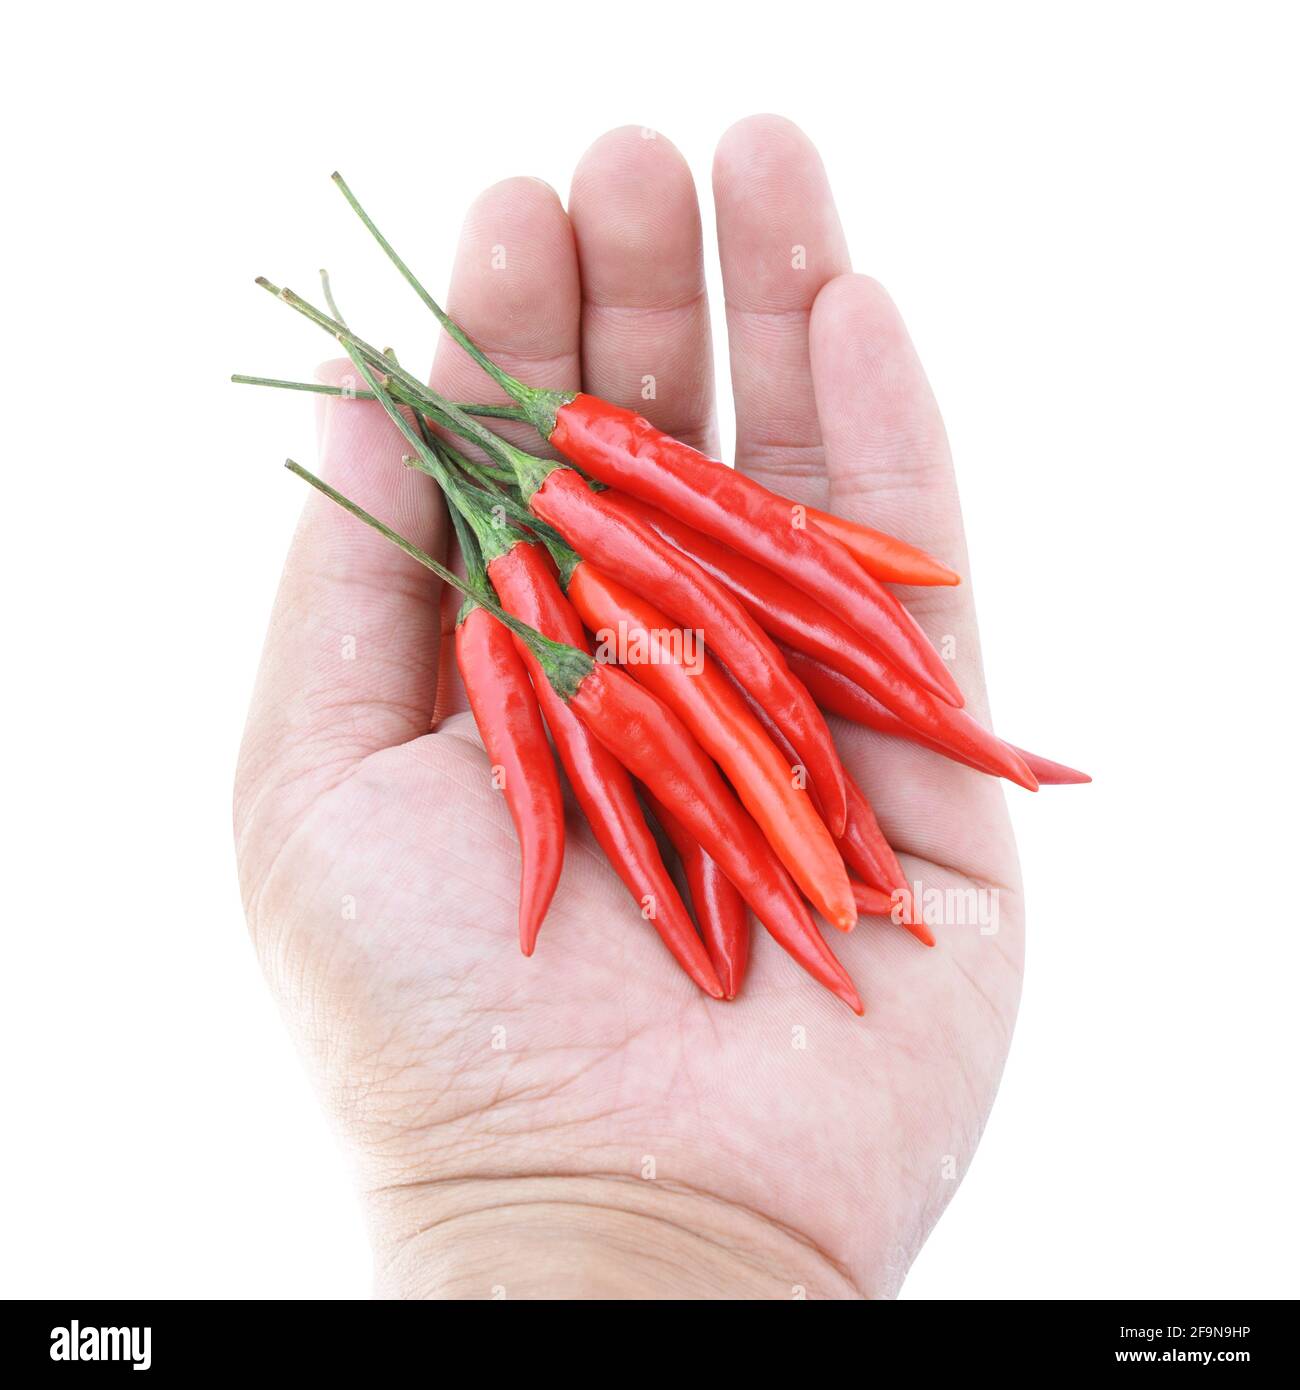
(566, 667)
(503, 495)
(488, 477)
(539, 405)
(473, 557)
(318, 387)
(490, 537)
(492, 412)
(475, 569)
(530, 472)
(566, 558)
(336, 329)
(329, 297)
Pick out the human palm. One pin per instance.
(586, 1122)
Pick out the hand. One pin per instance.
(586, 1123)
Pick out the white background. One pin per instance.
(1087, 215)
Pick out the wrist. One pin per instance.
(549, 1237)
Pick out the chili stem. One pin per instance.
(430, 460)
(329, 296)
(475, 569)
(318, 387)
(566, 667)
(491, 483)
(529, 471)
(480, 408)
(539, 405)
(334, 327)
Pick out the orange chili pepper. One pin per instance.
(883, 555)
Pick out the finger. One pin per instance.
(889, 467)
(645, 316)
(780, 241)
(887, 454)
(350, 660)
(514, 289)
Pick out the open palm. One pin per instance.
(586, 1122)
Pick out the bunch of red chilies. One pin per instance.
(641, 536)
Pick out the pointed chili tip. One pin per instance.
(853, 1000)
(1018, 770)
(922, 933)
(1062, 776)
(1049, 773)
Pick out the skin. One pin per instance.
(586, 1123)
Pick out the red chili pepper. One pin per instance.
(657, 749)
(625, 451)
(621, 448)
(805, 629)
(864, 846)
(840, 695)
(717, 715)
(506, 712)
(653, 744)
(883, 556)
(719, 908)
(528, 589)
(1051, 774)
(873, 903)
(606, 530)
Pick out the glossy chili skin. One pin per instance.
(804, 627)
(620, 448)
(883, 556)
(873, 903)
(719, 909)
(504, 706)
(526, 584)
(610, 535)
(658, 750)
(866, 850)
(864, 846)
(977, 747)
(1049, 773)
(717, 715)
